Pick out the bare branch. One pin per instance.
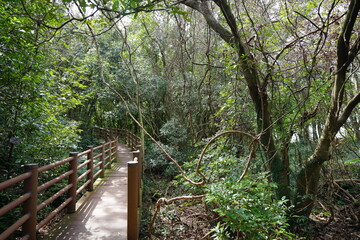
(343, 45)
(229, 16)
(348, 109)
(312, 23)
(41, 22)
(204, 9)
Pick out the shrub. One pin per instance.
(248, 209)
(174, 133)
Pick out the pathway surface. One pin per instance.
(103, 216)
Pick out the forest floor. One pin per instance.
(192, 220)
(185, 220)
(344, 224)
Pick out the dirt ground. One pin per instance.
(344, 224)
(192, 221)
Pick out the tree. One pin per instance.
(35, 90)
(284, 53)
(338, 113)
(258, 86)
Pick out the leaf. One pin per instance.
(136, 14)
(83, 4)
(352, 161)
(116, 5)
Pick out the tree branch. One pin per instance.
(41, 22)
(229, 16)
(343, 45)
(204, 9)
(348, 109)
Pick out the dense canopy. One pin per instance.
(275, 84)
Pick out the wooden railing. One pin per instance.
(125, 136)
(85, 168)
(89, 164)
(135, 175)
(135, 171)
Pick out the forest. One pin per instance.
(248, 111)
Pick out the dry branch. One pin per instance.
(164, 201)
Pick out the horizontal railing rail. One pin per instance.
(135, 175)
(82, 171)
(97, 159)
(124, 136)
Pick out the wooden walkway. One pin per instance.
(101, 214)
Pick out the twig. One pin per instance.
(347, 180)
(206, 235)
(345, 192)
(165, 201)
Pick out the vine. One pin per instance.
(164, 201)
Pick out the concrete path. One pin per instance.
(103, 215)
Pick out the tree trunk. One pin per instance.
(258, 92)
(308, 178)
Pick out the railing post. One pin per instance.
(113, 150)
(71, 208)
(141, 183)
(110, 153)
(140, 160)
(136, 155)
(108, 136)
(102, 159)
(30, 205)
(103, 135)
(116, 149)
(128, 141)
(133, 188)
(90, 166)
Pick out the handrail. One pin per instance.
(135, 176)
(125, 136)
(98, 158)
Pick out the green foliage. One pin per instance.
(248, 208)
(35, 92)
(174, 133)
(158, 163)
(352, 161)
(233, 111)
(190, 86)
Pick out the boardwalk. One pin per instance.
(103, 216)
